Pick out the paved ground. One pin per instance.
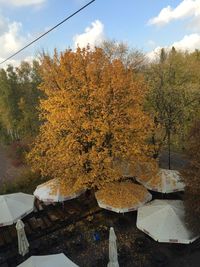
(178, 161)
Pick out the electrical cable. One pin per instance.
(35, 40)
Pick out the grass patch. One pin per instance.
(25, 182)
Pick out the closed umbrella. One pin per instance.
(113, 257)
(15, 206)
(23, 245)
(56, 260)
(164, 221)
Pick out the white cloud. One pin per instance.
(93, 35)
(194, 24)
(188, 43)
(154, 55)
(187, 8)
(16, 62)
(22, 2)
(11, 40)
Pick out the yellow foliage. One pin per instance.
(122, 195)
(65, 188)
(92, 115)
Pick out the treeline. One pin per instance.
(173, 98)
(19, 99)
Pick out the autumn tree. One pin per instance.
(92, 118)
(191, 176)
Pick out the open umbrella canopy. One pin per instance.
(53, 191)
(125, 167)
(122, 196)
(163, 220)
(165, 181)
(15, 206)
(59, 260)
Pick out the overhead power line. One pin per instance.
(45, 33)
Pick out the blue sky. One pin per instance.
(145, 24)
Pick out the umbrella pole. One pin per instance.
(169, 150)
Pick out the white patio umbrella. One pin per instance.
(163, 220)
(166, 181)
(56, 260)
(124, 166)
(23, 245)
(122, 197)
(15, 206)
(113, 257)
(52, 191)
